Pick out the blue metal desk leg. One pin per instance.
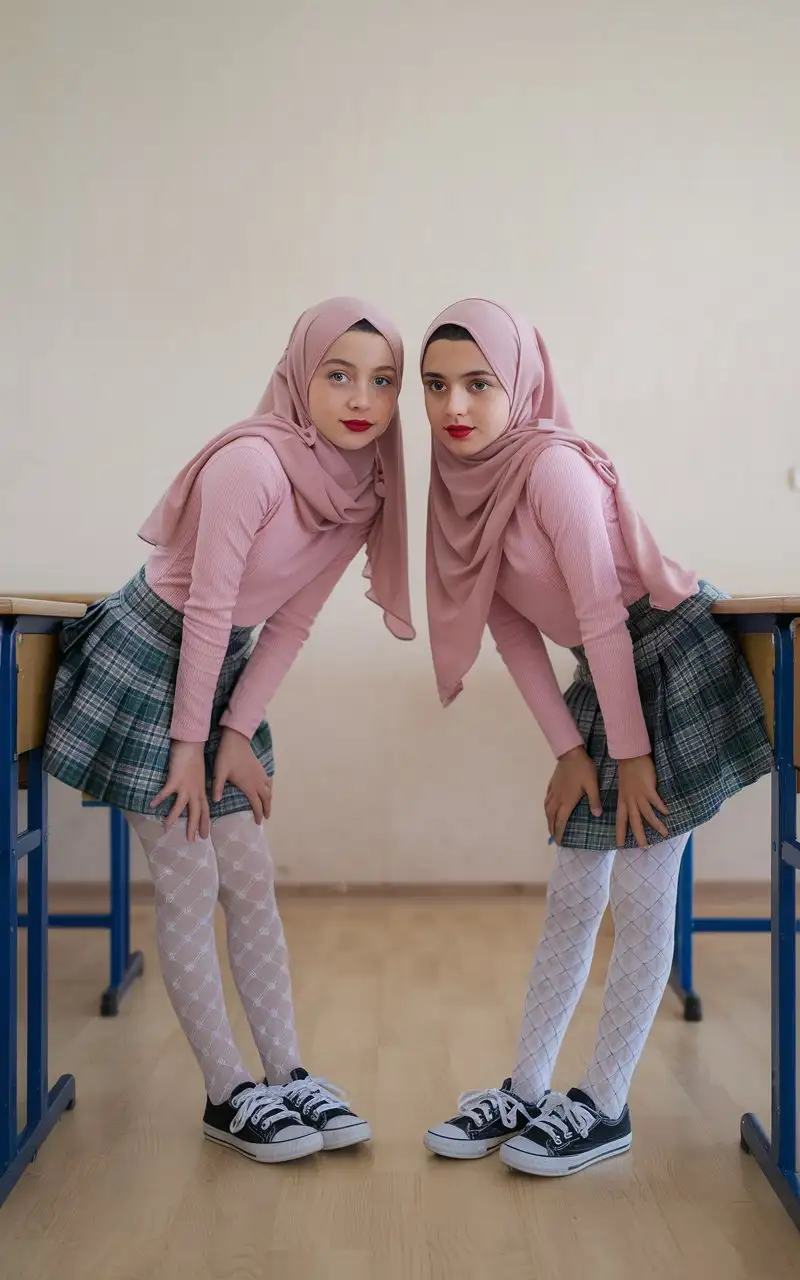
(8, 908)
(44, 1107)
(37, 945)
(125, 967)
(681, 979)
(777, 1153)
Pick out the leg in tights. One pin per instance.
(644, 888)
(577, 897)
(256, 943)
(186, 885)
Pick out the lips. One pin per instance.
(457, 432)
(356, 424)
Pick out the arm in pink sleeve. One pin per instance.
(522, 649)
(278, 645)
(567, 496)
(237, 489)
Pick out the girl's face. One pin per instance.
(353, 392)
(467, 407)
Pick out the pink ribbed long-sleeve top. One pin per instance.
(241, 557)
(567, 575)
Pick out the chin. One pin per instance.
(462, 448)
(351, 441)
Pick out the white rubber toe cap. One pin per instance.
(345, 1131)
(449, 1140)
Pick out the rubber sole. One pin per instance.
(268, 1152)
(460, 1149)
(349, 1136)
(559, 1166)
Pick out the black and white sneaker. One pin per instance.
(256, 1123)
(568, 1135)
(486, 1120)
(324, 1108)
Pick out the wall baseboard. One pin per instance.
(710, 895)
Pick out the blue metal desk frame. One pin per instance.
(44, 1105)
(776, 1151)
(687, 924)
(125, 966)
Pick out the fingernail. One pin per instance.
(597, 813)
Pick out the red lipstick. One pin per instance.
(356, 424)
(458, 432)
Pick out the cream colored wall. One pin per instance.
(182, 177)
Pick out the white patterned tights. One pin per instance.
(643, 886)
(234, 865)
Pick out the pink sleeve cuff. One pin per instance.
(241, 723)
(634, 743)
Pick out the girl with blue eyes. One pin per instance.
(159, 701)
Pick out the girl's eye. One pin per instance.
(337, 376)
(435, 384)
(381, 381)
(479, 385)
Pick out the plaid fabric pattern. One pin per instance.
(113, 696)
(703, 714)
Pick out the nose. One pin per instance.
(359, 393)
(457, 402)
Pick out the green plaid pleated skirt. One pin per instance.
(112, 702)
(703, 714)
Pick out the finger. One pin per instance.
(205, 820)
(637, 827)
(593, 796)
(657, 802)
(622, 823)
(559, 827)
(198, 809)
(164, 794)
(220, 778)
(548, 807)
(266, 801)
(255, 804)
(550, 810)
(176, 810)
(193, 819)
(652, 821)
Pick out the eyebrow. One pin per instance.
(474, 373)
(347, 364)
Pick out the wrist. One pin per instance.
(628, 760)
(233, 734)
(574, 753)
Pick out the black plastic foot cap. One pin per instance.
(109, 1004)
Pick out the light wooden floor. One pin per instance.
(406, 1003)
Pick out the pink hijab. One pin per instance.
(330, 486)
(472, 499)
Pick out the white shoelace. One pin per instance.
(316, 1090)
(562, 1118)
(260, 1107)
(485, 1105)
